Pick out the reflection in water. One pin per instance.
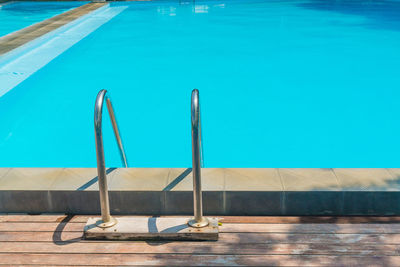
(196, 8)
(219, 5)
(167, 10)
(200, 8)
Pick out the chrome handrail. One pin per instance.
(198, 220)
(106, 219)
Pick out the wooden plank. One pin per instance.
(194, 248)
(229, 228)
(196, 260)
(60, 218)
(40, 236)
(309, 219)
(311, 228)
(40, 227)
(224, 219)
(239, 238)
(42, 218)
(280, 238)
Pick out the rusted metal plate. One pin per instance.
(152, 228)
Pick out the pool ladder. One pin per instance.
(106, 219)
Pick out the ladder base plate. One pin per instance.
(151, 228)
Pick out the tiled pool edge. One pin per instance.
(226, 192)
(20, 63)
(19, 38)
(5, 2)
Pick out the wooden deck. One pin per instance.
(284, 241)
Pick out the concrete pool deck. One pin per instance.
(25, 35)
(227, 191)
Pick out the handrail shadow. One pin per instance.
(57, 234)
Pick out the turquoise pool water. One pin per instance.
(17, 15)
(300, 83)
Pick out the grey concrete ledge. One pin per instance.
(168, 191)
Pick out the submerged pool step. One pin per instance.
(226, 191)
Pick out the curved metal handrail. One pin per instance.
(199, 220)
(107, 220)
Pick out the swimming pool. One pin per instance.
(302, 83)
(17, 15)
